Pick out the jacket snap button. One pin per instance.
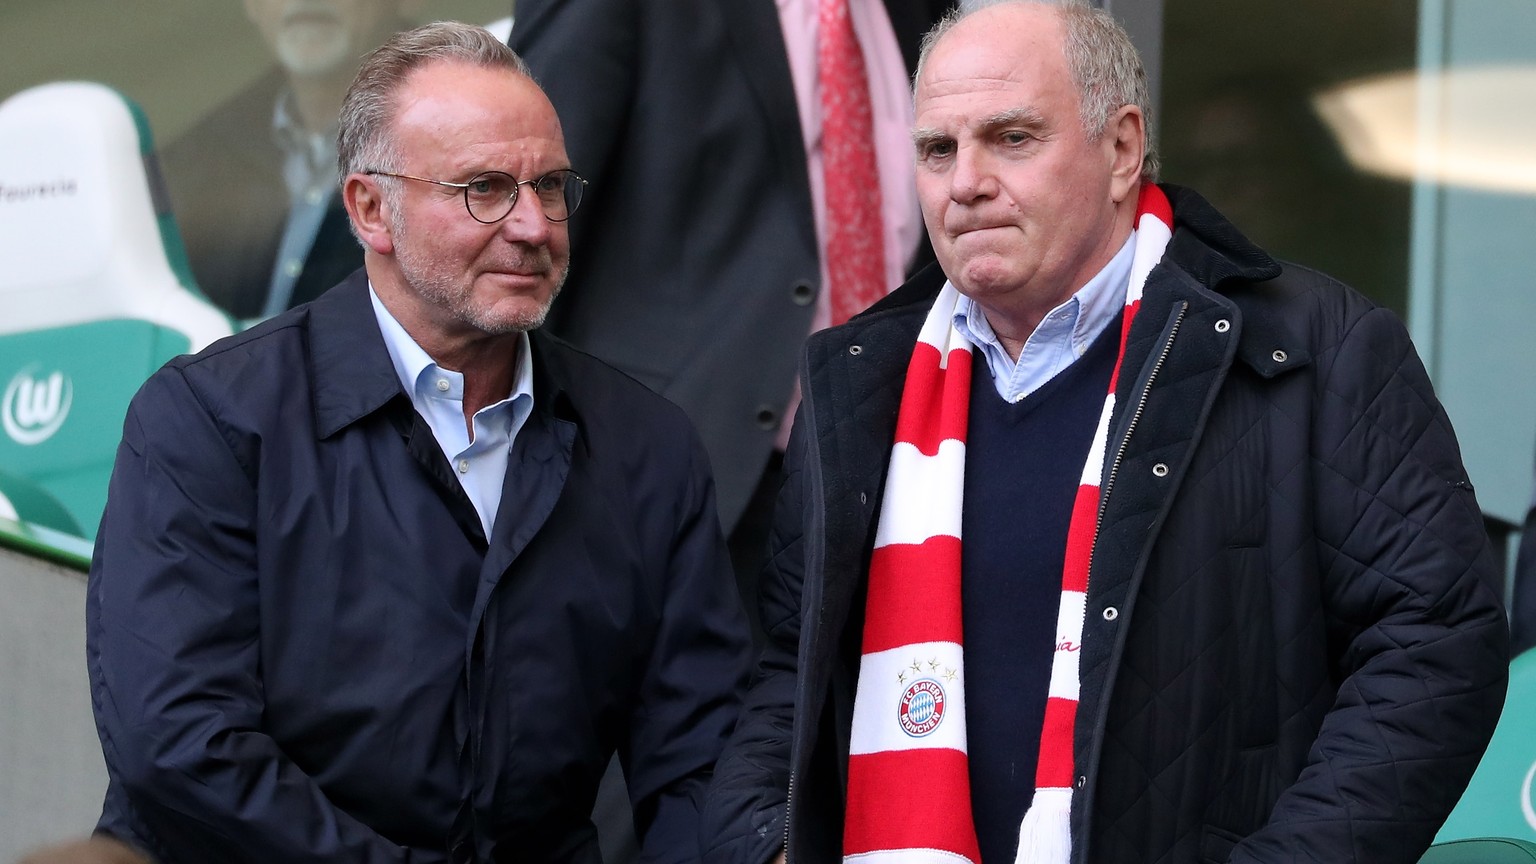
(1111, 613)
(855, 350)
(863, 499)
(1280, 356)
(1223, 326)
(1160, 470)
(766, 418)
(802, 293)
(1080, 782)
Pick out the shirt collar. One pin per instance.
(310, 157)
(412, 363)
(1082, 316)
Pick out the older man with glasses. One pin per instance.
(391, 576)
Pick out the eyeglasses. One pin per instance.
(491, 195)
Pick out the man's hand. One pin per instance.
(779, 859)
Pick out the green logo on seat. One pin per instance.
(1527, 804)
(35, 406)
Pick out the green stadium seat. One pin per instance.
(1481, 850)
(95, 290)
(1501, 799)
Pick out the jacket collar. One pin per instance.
(1216, 255)
(1210, 248)
(352, 375)
(350, 371)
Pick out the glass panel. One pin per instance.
(1239, 126)
(1474, 218)
(1387, 143)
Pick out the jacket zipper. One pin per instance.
(1114, 467)
(1141, 405)
(789, 797)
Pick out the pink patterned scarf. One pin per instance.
(909, 796)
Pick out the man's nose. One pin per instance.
(973, 177)
(527, 222)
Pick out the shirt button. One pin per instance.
(314, 197)
(463, 466)
(293, 267)
(802, 294)
(443, 385)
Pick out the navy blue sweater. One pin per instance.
(1022, 466)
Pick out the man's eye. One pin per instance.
(938, 149)
(481, 187)
(1015, 138)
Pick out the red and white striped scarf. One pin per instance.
(909, 795)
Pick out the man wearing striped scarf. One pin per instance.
(1111, 538)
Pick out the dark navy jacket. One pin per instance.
(1292, 651)
(302, 648)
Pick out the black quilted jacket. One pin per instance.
(1305, 657)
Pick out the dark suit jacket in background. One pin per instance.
(694, 264)
(225, 177)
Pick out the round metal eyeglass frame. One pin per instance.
(560, 189)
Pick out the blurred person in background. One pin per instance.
(751, 181)
(253, 184)
(703, 248)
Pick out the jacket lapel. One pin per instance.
(350, 371)
(537, 469)
(758, 41)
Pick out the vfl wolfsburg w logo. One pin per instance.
(35, 407)
(1527, 801)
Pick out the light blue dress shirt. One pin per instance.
(309, 171)
(479, 461)
(1062, 335)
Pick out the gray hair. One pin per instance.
(363, 139)
(1105, 65)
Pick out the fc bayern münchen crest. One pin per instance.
(922, 707)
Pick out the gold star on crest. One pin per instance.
(933, 665)
(949, 674)
(917, 665)
(902, 676)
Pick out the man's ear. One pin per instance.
(366, 207)
(1126, 143)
